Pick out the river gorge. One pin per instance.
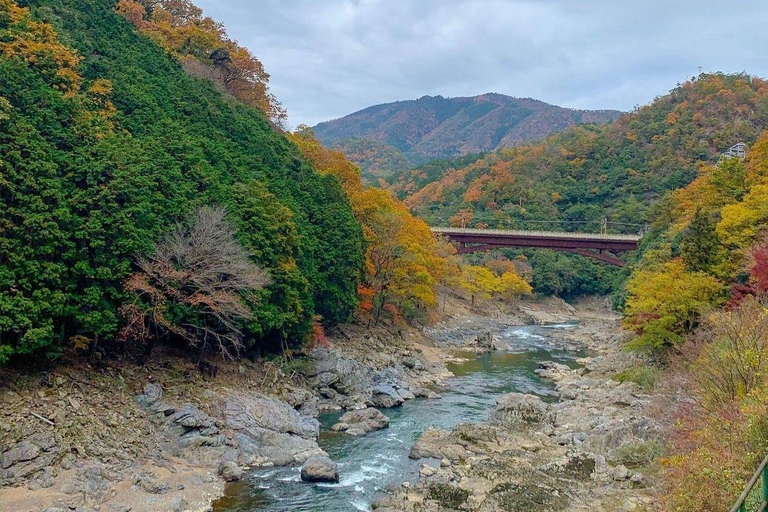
(369, 464)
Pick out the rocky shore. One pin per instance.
(589, 451)
(113, 437)
(165, 437)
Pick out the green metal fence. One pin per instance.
(755, 497)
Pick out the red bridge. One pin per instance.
(593, 245)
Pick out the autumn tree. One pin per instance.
(665, 302)
(195, 285)
(205, 50)
(404, 261)
(511, 285)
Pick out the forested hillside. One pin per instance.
(588, 172)
(381, 138)
(105, 144)
(148, 194)
(697, 300)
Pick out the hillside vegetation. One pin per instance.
(147, 194)
(697, 299)
(575, 179)
(105, 144)
(382, 138)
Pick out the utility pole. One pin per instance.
(604, 226)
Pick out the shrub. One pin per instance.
(195, 285)
(736, 361)
(640, 454)
(644, 376)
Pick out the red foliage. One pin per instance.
(759, 270)
(317, 333)
(739, 292)
(365, 302)
(393, 312)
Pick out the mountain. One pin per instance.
(587, 172)
(574, 179)
(436, 127)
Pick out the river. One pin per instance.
(368, 464)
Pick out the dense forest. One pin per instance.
(575, 179)
(148, 193)
(105, 144)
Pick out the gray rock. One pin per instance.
(90, 482)
(268, 413)
(328, 393)
(413, 363)
(357, 423)
(514, 411)
(152, 393)
(620, 473)
(179, 504)
(148, 483)
(485, 341)
(406, 394)
(67, 462)
(44, 480)
(269, 430)
(118, 507)
(22, 452)
(230, 471)
(191, 417)
(385, 396)
(319, 468)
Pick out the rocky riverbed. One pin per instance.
(588, 451)
(166, 438)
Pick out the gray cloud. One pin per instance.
(329, 58)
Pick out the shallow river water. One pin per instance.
(368, 464)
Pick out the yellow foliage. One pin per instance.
(742, 221)
(404, 261)
(481, 282)
(37, 44)
(665, 301)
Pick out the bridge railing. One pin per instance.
(750, 501)
(536, 233)
(577, 226)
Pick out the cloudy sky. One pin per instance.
(329, 58)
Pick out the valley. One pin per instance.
(455, 303)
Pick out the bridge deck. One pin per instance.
(561, 235)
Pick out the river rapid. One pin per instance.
(369, 464)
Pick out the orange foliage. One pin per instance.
(404, 262)
(205, 49)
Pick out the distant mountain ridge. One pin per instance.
(434, 127)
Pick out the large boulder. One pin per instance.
(333, 370)
(357, 423)
(386, 396)
(319, 468)
(438, 444)
(515, 411)
(268, 430)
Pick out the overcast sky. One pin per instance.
(329, 58)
